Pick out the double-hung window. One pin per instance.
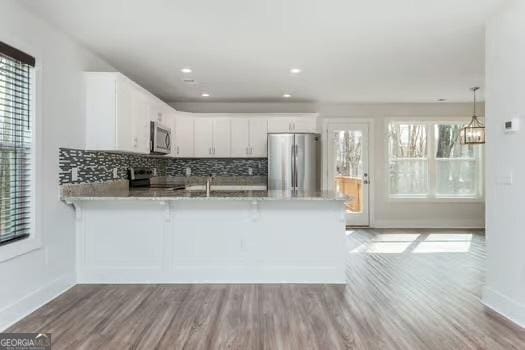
(426, 160)
(15, 144)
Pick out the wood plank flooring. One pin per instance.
(406, 289)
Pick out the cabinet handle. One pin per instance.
(213, 150)
(177, 149)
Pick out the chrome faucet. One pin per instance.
(208, 185)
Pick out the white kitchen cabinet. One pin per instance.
(182, 136)
(305, 124)
(258, 137)
(203, 137)
(140, 122)
(248, 137)
(212, 137)
(240, 138)
(280, 124)
(221, 138)
(118, 113)
(292, 124)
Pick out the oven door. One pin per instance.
(160, 139)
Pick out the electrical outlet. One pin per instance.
(250, 171)
(188, 171)
(154, 171)
(74, 174)
(115, 173)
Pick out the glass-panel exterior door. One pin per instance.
(348, 168)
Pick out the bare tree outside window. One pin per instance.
(457, 166)
(450, 170)
(348, 153)
(408, 151)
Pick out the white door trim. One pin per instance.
(371, 156)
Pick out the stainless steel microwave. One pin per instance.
(160, 139)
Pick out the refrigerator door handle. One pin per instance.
(296, 175)
(292, 164)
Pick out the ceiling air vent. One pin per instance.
(189, 81)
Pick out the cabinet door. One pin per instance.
(141, 123)
(306, 124)
(126, 139)
(221, 138)
(203, 137)
(280, 124)
(240, 137)
(156, 111)
(183, 141)
(258, 137)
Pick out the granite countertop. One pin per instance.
(161, 194)
(120, 191)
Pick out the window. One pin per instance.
(426, 160)
(15, 143)
(408, 159)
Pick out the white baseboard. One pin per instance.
(11, 314)
(505, 306)
(426, 224)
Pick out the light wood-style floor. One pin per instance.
(406, 289)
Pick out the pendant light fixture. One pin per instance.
(474, 132)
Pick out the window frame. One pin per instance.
(33, 242)
(432, 195)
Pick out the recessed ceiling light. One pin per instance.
(205, 94)
(295, 70)
(186, 70)
(287, 95)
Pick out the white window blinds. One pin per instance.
(15, 144)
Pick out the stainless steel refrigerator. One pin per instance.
(294, 161)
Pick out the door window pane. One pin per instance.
(349, 167)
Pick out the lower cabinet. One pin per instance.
(215, 241)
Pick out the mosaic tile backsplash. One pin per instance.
(97, 166)
(218, 167)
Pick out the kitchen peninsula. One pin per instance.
(167, 236)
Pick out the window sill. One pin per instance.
(12, 250)
(436, 199)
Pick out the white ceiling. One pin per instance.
(242, 50)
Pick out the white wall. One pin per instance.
(31, 279)
(386, 213)
(505, 79)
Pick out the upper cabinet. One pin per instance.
(183, 134)
(249, 137)
(212, 137)
(119, 112)
(307, 123)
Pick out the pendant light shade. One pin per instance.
(474, 132)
